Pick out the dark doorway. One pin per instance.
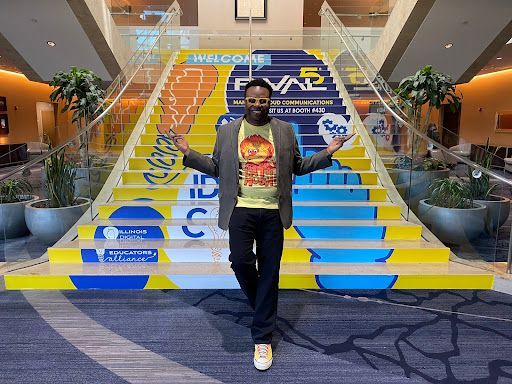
(450, 131)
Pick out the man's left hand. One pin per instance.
(338, 142)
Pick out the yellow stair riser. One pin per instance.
(175, 163)
(290, 255)
(208, 129)
(162, 178)
(64, 282)
(167, 150)
(175, 193)
(166, 211)
(201, 119)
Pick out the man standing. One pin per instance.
(254, 158)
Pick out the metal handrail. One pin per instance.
(328, 13)
(96, 120)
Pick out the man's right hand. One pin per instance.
(180, 142)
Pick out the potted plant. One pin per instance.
(49, 219)
(498, 207)
(426, 86)
(14, 195)
(450, 212)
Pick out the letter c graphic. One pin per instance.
(190, 215)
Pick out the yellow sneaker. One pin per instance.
(262, 356)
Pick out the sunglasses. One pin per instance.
(257, 100)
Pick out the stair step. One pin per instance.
(301, 210)
(175, 163)
(220, 276)
(299, 118)
(306, 131)
(335, 177)
(207, 229)
(168, 100)
(150, 150)
(204, 251)
(210, 191)
(281, 71)
(198, 81)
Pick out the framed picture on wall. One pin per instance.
(4, 124)
(503, 122)
(3, 104)
(257, 9)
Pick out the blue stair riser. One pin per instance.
(211, 193)
(299, 212)
(142, 232)
(170, 164)
(281, 71)
(324, 178)
(118, 282)
(163, 145)
(207, 255)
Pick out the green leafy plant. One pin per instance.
(80, 91)
(431, 164)
(480, 186)
(427, 164)
(60, 180)
(15, 190)
(426, 86)
(450, 193)
(403, 162)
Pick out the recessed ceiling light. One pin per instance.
(449, 45)
(499, 58)
(50, 43)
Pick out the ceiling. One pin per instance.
(477, 31)
(27, 26)
(473, 27)
(496, 64)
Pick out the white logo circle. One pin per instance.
(110, 233)
(331, 125)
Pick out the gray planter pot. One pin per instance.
(413, 186)
(50, 224)
(90, 181)
(453, 225)
(12, 218)
(498, 209)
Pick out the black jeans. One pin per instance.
(259, 285)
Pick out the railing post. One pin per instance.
(250, 42)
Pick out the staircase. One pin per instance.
(160, 231)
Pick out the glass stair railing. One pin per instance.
(416, 164)
(94, 158)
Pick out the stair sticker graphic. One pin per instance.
(159, 231)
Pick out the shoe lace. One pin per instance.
(262, 350)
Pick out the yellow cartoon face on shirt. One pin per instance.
(255, 149)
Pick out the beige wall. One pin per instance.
(22, 96)
(483, 97)
(285, 16)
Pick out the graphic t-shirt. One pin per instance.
(258, 172)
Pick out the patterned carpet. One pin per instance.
(203, 336)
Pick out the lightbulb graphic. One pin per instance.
(101, 255)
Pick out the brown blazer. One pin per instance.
(224, 164)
